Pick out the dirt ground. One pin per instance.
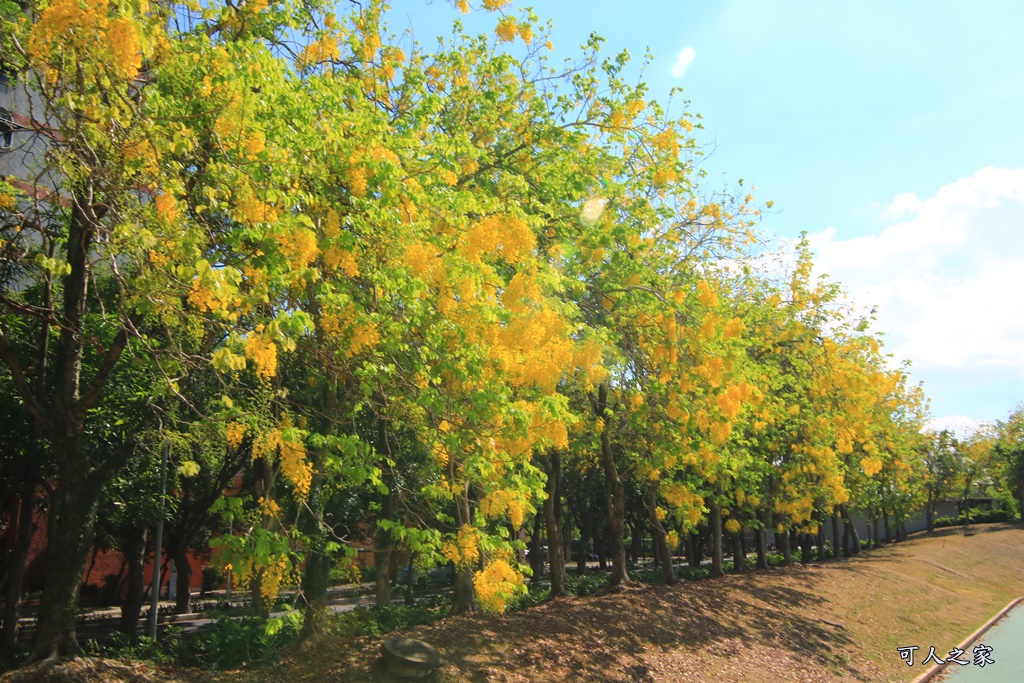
(837, 621)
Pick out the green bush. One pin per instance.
(376, 621)
(585, 584)
(692, 573)
(535, 596)
(977, 517)
(229, 642)
(212, 579)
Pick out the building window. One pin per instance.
(6, 129)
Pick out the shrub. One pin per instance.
(376, 621)
(212, 579)
(585, 584)
(229, 642)
(533, 597)
(692, 573)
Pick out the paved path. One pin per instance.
(1006, 638)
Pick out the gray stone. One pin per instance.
(409, 658)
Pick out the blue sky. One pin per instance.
(892, 132)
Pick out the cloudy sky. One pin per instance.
(892, 132)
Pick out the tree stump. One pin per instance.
(409, 658)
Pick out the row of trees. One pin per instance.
(432, 297)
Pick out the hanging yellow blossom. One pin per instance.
(263, 353)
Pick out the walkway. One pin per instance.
(1006, 638)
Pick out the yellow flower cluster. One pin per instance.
(464, 550)
(506, 30)
(505, 236)
(323, 50)
(496, 584)
(235, 433)
(732, 526)
(263, 353)
(422, 259)
(872, 466)
(250, 210)
(336, 258)
(292, 453)
(298, 246)
(706, 295)
(68, 27)
(364, 337)
(500, 501)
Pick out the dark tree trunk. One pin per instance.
(661, 549)
(16, 566)
(465, 593)
(875, 531)
(263, 482)
(72, 515)
(739, 557)
(836, 541)
(135, 556)
(715, 528)
(761, 543)
(782, 539)
(556, 562)
(854, 538)
(585, 534)
(409, 581)
(822, 555)
(316, 573)
(183, 591)
(536, 557)
(885, 518)
(805, 548)
(382, 553)
(615, 495)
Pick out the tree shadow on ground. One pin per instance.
(605, 638)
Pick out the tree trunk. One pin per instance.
(536, 557)
(739, 558)
(854, 538)
(552, 464)
(875, 531)
(715, 528)
(465, 594)
(661, 549)
(836, 542)
(885, 517)
(822, 556)
(183, 597)
(316, 573)
(135, 555)
(69, 538)
(615, 495)
(929, 512)
(16, 566)
(692, 551)
(782, 537)
(585, 533)
(761, 543)
(382, 553)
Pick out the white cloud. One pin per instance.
(684, 60)
(960, 425)
(947, 274)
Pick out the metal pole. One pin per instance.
(154, 607)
